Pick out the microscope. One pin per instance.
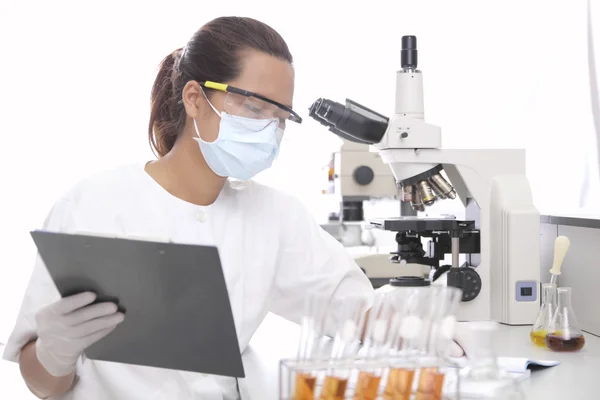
(499, 237)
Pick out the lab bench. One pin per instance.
(574, 378)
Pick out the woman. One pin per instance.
(219, 109)
(203, 132)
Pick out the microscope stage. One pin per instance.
(422, 224)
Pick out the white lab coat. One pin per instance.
(272, 253)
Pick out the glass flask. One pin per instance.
(544, 318)
(483, 378)
(564, 333)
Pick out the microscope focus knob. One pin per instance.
(466, 279)
(364, 175)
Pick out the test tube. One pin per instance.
(399, 385)
(315, 323)
(430, 379)
(437, 338)
(443, 330)
(380, 333)
(351, 312)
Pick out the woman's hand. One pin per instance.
(461, 340)
(456, 350)
(67, 327)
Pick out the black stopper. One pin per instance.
(408, 55)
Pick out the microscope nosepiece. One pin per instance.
(422, 190)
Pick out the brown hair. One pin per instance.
(214, 53)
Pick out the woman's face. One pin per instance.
(262, 74)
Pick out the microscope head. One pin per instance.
(406, 131)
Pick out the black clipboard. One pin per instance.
(174, 296)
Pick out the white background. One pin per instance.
(76, 76)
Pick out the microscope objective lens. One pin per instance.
(436, 190)
(444, 186)
(407, 193)
(426, 193)
(417, 203)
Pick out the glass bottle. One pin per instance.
(544, 318)
(564, 333)
(484, 379)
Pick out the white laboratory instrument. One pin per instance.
(355, 176)
(500, 236)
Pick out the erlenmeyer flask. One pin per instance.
(544, 318)
(564, 333)
(484, 379)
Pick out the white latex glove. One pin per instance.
(66, 328)
(456, 350)
(462, 338)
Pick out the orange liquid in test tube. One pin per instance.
(399, 384)
(367, 386)
(305, 387)
(430, 384)
(334, 388)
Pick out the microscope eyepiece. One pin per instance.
(408, 55)
(409, 42)
(326, 111)
(351, 121)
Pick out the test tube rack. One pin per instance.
(392, 378)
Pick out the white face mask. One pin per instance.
(244, 146)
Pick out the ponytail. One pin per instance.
(166, 113)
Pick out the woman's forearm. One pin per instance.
(37, 379)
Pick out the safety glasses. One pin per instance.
(253, 105)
